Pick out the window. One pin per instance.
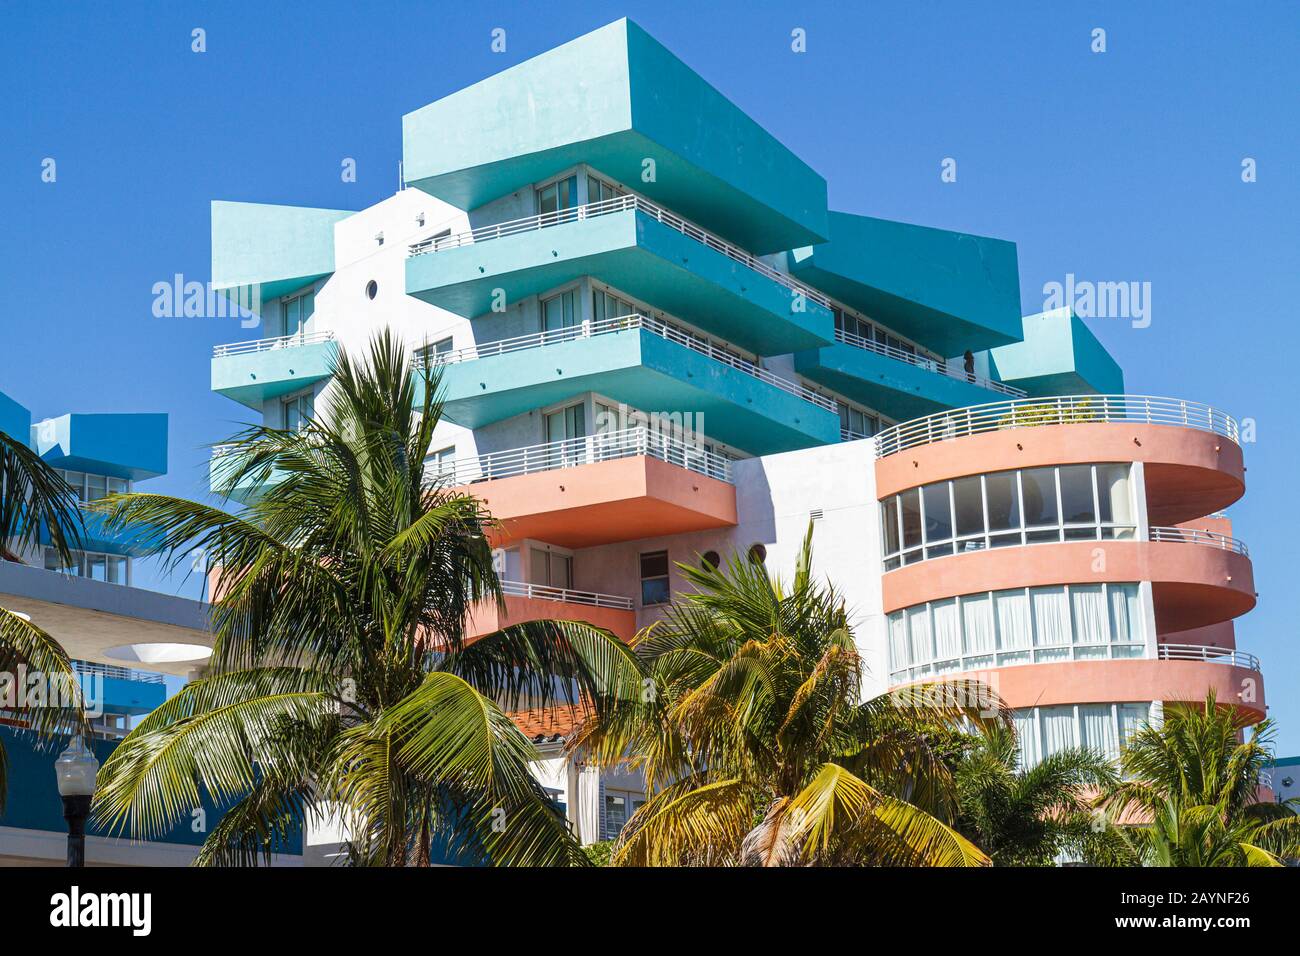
(1016, 626)
(1044, 731)
(440, 463)
(618, 808)
(1029, 506)
(297, 309)
(560, 311)
(372, 289)
(88, 487)
(855, 423)
(298, 411)
(112, 568)
(606, 305)
(598, 190)
(757, 554)
(710, 560)
(558, 196)
(550, 568)
(428, 354)
(654, 578)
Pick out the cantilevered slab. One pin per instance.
(131, 446)
(949, 291)
(619, 101)
(274, 249)
(1059, 356)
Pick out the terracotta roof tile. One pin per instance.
(550, 724)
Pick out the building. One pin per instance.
(659, 344)
(123, 639)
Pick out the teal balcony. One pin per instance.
(637, 247)
(1059, 356)
(899, 384)
(615, 99)
(219, 470)
(253, 372)
(649, 365)
(949, 291)
(109, 688)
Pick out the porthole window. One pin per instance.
(372, 289)
(757, 554)
(709, 560)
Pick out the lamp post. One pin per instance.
(75, 771)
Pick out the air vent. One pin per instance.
(815, 514)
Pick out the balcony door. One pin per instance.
(567, 425)
(554, 198)
(560, 312)
(297, 310)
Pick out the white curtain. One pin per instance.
(1026, 727)
(1058, 729)
(899, 658)
(1015, 630)
(918, 624)
(589, 805)
(1125, 614)
(977, 621)
(947, 630)
(1089, 613)
(1132, 718)
(1051, 617)
(1113, 486)
(1098, 729)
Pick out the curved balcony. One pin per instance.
(1192, 460)
(534, 602)
(1196, 580)
(255, 371)
(618, 486)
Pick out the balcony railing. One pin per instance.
(1215, 655)
(1210, 539)
(938, 366)
(272, 344)
(1066, 409)
(116, 672)
(624, 323)
(605, 207)
(572, 452)
(568, 595)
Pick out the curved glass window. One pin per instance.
(1044, 731)
(1073, 622)
(1026, 506)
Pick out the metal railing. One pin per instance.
(268, 345)
(664, 330)
(848, 434)
(605, 207)
(568, 595)
(117, 672)
(1201, 652)
(1065, 409)
(572, 452)
(937, 366)
(1210, 539)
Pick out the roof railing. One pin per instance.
(1210, 539)
(624, 323)
(573, 452)
(938, 366)
(272, 344)
(117, 672)
(603, 208)
(1203, 652)
(1060, 410)
(568, 595)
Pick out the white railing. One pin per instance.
(1210, 539)
(268, 345)
(1065, 409)
(625, 323)
(114, 671)
(1216, 655)
(605, 207)
(568, 595)
(938, 366)
(220, 451)
(848, 434)
(572, 452)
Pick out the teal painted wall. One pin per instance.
(1059, 356)
(949, 291)
(132, 446)
(613, 98)
(15, 419)
(277, 248)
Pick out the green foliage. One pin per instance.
(598, 854)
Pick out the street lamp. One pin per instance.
(75, 770)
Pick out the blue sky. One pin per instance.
(1115, 166)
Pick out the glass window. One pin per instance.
(558, 195)
(598, 190)
(440, 463)
(910, 507)
(968, 506)
(1077, 504)
(550, 568)
(889, 524)
(1004, 501)
(298, 412)
(96, 487)
(1038, 488)
(116, 570)
(297, 310)
(654, 578)
(118, 486)
(938, 512)
(559, 312)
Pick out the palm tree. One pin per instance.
(34, 498)
(756, 746)
(341, 673)
(1026, 817)
(1194, 781)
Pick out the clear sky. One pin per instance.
(1117, 166)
